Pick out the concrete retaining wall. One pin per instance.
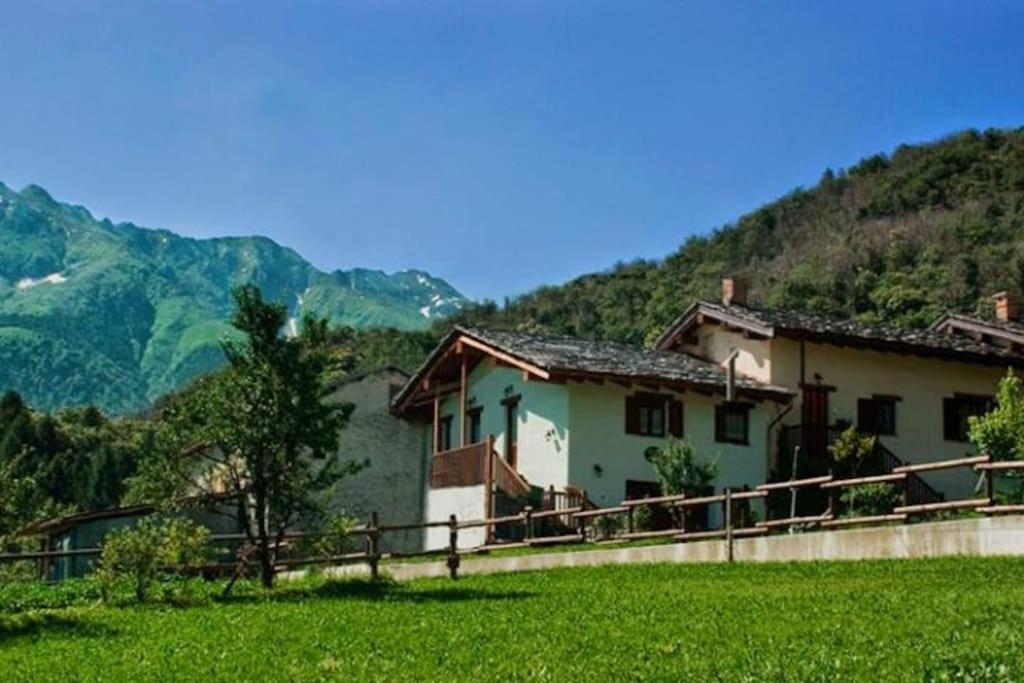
(983, 536)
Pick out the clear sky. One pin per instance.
(500, 145)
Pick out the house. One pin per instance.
(759, 391)
(914, 389)
(85, 532)
(394, 483)
(526, 411)
(1006, 329)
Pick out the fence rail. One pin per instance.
(581, 515)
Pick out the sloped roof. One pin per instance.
(841, 331)
(565, 357)
(1009, 330)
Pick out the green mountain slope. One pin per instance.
(117, 315)
(900, 237)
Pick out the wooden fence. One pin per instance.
(577, 524)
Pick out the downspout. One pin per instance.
(771, 427)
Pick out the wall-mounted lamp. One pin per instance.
(598, 471)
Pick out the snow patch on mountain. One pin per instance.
(52, 279)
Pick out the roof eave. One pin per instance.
(691, 319)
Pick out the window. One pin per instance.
(653, 415)
(732, 423)
(877, 415)
(511, 404)
(445, 440)
(956, 410)
(475, 431)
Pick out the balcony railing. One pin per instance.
(468, 466)
(463, 466)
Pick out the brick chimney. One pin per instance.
(734, 291)
(1006, 306)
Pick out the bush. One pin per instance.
(137, 557)
(608, 526)
(679, 470)
(869, 499)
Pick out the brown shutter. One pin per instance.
(867, 418)
(632, 415)
(950, 419)
(675, 419)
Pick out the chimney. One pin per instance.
(1006, 307)
(734, 291)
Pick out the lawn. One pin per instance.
(945, 619)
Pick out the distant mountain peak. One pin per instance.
(117, 314)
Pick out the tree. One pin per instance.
(19, 500)
(259, 431)
(851, 450)
(679, 471)
(1000, 433)
(138, 555)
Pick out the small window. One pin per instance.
(653, 415)
(732, 423)
(475, 423)
(445, 440)
(957, 410)
(877, 415)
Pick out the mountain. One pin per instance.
(899, 237)
(117, 315)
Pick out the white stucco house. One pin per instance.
(743, 385)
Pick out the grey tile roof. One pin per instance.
(568, 355)
(852, 332)
(1010, 328)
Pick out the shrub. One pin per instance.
(1000, 433)
(679, 470)
(851, 450)
(336, 539)
(608, 526)
(137, 557)
(869, 499)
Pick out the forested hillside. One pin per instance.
(900, 237)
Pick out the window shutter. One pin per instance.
(675, 419)
(632, 415)
(719, 423)
(950, 419)
(866, 421)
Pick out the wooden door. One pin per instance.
(512, 431)
(815, 419)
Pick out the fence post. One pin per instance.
(990, 484)
(582, 521)
(453, 547)
(629, 519)
(373, 538)
(728, 522)
(528, 522)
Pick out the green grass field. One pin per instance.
(949, 619)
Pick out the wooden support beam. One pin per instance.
(463, 408)
(501, 355)
(436, 446)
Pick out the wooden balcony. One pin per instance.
(470, 466)
(463, 466)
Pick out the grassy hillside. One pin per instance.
(900, 237)
(955, 619)
(117, 315)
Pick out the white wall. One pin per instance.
(715, 344)
(599, 438)
(921, 383)
(466, 503)
(543, 439)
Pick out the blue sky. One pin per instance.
(500, 145)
